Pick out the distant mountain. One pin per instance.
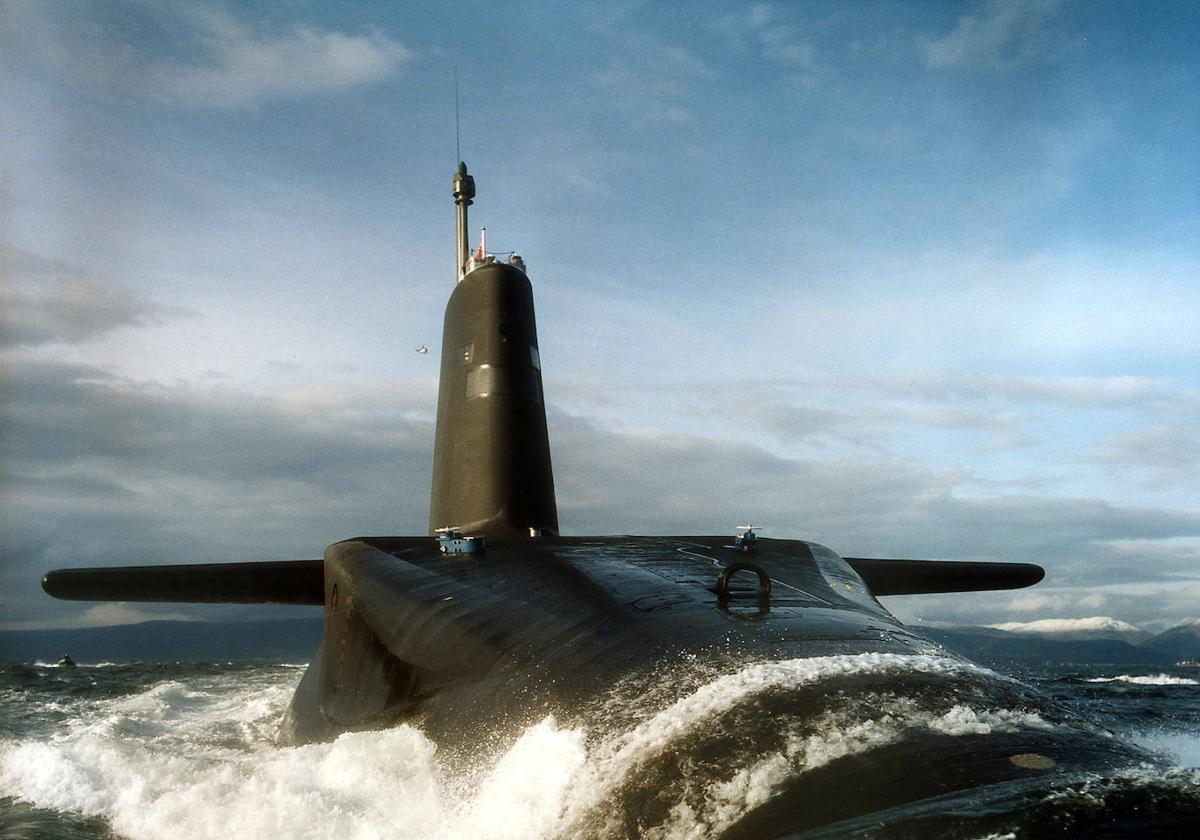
(1090, 641)
(1078, 629)
(989, 646)
(295, 640)
(290, 640)
(1182, 642)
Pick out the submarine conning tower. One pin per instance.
(491, 458)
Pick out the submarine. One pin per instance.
(741, 686)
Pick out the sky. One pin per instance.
(906, 279)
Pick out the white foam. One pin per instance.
(1183, 748)
(525, 793)
(1157, 679)
(726, 691)
(368, 784)
(725, 802)
(963, 720)
(196, 760)
(613, 761)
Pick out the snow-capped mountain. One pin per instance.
(1077, 629)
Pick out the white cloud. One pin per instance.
(1005, 33)
(1049, 601)
(239, 67)
(215, 59)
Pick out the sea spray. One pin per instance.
(174, 761)
(192, 755)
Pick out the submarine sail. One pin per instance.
(491, 457)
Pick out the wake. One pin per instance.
(197, 759)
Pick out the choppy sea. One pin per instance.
(187, 750)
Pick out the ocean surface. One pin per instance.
(187, 750)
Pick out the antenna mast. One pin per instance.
(464, 191)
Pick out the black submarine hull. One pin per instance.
(758, 703)
(815, 700)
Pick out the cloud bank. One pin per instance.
(104, 469)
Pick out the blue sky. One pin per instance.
(907, 279)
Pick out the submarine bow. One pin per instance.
(493, 620)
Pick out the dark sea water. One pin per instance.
(187, 750)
